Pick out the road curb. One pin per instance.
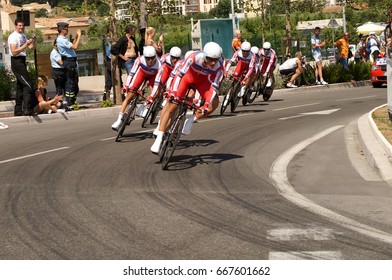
(93, 112)
(375, 147)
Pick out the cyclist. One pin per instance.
(202, 70)
(169, 61)
(290, 66)
(255, 50)
(245, 65)
(145, 68)
(268, 60)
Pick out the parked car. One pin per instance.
(378, 72)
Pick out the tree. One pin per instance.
(288, 27)
(223, 9)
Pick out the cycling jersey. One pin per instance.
(244, 65)
(163, 74)
(192, 73)
(267, 61)
(140, 72)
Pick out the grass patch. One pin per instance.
(381, 118)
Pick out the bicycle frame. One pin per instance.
(172, 136)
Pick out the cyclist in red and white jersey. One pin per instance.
(169, 61)
(268, 60)
(202, 70)
(145, 68)
(245, 65)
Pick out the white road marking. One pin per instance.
(33, 155)
(297, 106)
(324, 112)
(288, 234)
(306, 255)
(278, 176)
(354, 98)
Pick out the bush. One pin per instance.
(106, 103)
(335, 73)
(7, 84)
(360, 71)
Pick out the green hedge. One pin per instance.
(7, 84)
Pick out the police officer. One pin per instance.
(68, 56)
(58, 70)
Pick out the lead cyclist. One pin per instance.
(203, 71)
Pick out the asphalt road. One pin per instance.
(68, 191)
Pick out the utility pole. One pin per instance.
(233, 16)
(344, 15)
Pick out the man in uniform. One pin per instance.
(68, 55)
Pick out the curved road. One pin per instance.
(68, 191)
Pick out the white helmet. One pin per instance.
(212, 50)
(254, 50)
(187, 54)
(149, 51)
(175, 52)
(267, 45)
(245, 46)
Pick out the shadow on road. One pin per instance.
(133, 137)
(182, 162)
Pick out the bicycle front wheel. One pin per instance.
(128, 117)
(234, 97)
(156, 108)
(172, 140)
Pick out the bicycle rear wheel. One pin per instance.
(246, 96)
(128, 117)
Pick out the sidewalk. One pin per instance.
(376, 149)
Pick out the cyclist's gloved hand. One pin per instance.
(204, 108)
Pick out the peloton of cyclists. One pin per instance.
(245, 65)
(145, 68)
(268, 60)
(202, 70)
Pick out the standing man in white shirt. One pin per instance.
(18, 43)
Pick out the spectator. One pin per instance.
(290, 66)
(373, 46)
(108, 70)
(58, 71)
(18, 43)
(69, 58)
(126, 50)
(40, 101)
(317, 44)
(361, 53)
(149, 41)
(343, 47)
(237, 41)
(142, 41)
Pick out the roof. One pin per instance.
(332, 9)
(52, 23)
(311, 24)
(11, 9)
